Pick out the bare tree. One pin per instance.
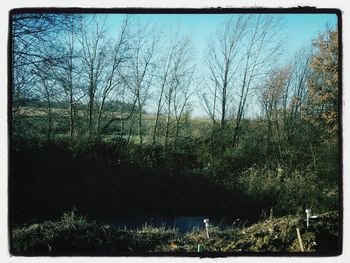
(297, 94)
(68, 72)
(181, 102)
(165, 69)
(138, 74)
(32, 37)
(112, 80)
(178, 81)
(262, 43)
(274, 93)
(91, 38)
(283, 99)
(223, 52)
(30, 33)
(46, 91)
(239, 56)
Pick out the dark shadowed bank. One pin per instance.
(106, 179)
(76, 235)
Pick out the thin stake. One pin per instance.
(206, 222)
(300, 240)
(308, 213)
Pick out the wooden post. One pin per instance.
(300, 240)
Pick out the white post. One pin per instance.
(308, 213)
(206, 222)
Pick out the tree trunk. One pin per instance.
(91, 100)
(140, 122)
(157, 116)
(71, 116)
(167, 126)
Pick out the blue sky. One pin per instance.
(298, 30)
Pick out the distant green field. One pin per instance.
(36, 119)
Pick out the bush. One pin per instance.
(148, 238)
(70, 234)
(286, 191)
(262, 185)
(75, 234)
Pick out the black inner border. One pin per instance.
(213, 10)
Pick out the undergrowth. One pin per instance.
(74, 233)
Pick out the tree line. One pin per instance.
(72, 60)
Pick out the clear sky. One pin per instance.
(299, 30)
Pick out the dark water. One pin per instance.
(182, 223)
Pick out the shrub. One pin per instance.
(287, 191)
(261, 185)
(70, 234)
(148, 238)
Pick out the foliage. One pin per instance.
(323, 83)
(146, 238)
(71, 233)
(287, 191)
